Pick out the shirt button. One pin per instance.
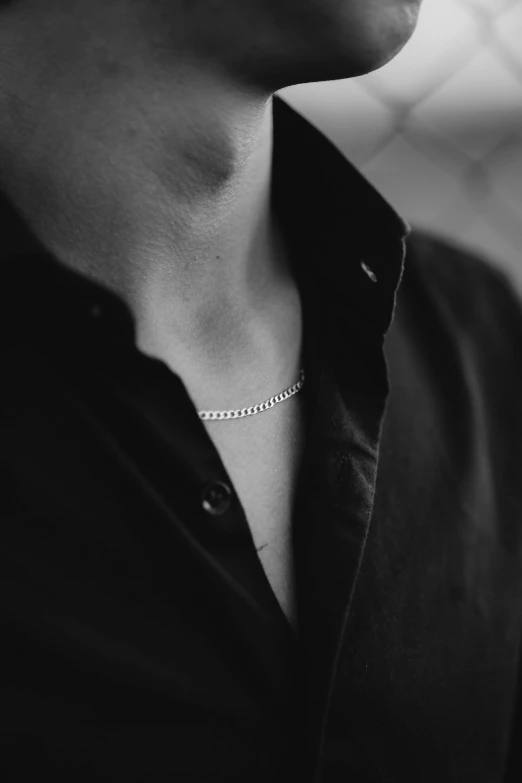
(369, 272)
(216, 498)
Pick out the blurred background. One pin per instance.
(438, 130)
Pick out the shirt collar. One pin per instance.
(352, 240)
(346, 245)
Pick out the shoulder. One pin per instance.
(466, 290)
(454, 359)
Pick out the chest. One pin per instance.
(262, 455)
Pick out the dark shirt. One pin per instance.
(141, 638)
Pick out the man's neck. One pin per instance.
(157, 187)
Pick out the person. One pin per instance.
(323, 582)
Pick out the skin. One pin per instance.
(136, 138)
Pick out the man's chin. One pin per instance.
(342, 50)
(388, 41)
(355, 50)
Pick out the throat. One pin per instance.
(260, 355)
(219, 332)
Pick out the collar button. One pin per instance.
(369, 272)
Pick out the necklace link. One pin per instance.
(240, 412)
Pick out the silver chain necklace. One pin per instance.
(205, 415)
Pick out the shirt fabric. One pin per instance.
(141, 638)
